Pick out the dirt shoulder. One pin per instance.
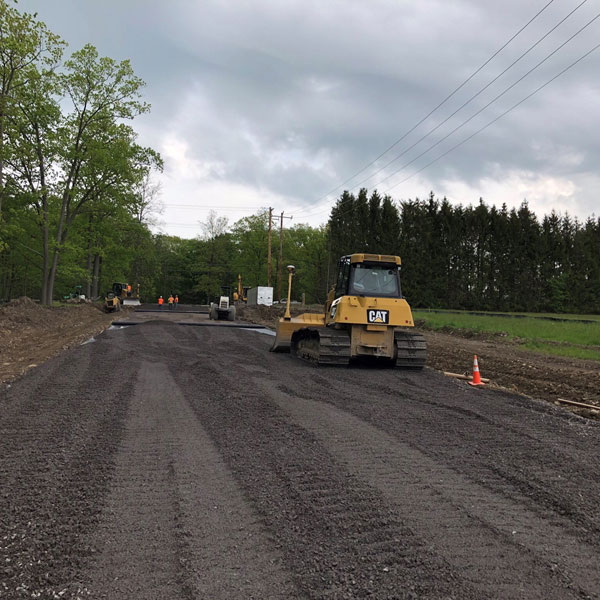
(501, 360)
(30, 334)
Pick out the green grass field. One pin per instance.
(573, 339)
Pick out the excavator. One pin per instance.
(365, 318)
(241, 295)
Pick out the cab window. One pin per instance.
(341, 288)
(375, 280)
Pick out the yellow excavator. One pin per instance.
(241, 295)
(365, 317)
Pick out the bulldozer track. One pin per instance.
(411, 349)
(328, 346)
(402, 473)
(323, 346)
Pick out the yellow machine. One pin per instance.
(128, 294)
(365, 316)
(242, 292)
(112, 302)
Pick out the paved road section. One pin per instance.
(168, 461)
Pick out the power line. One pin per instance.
(578, 32)
(497, 118)
(441, 103)
(491, 101)
(250, 208)
(360, 183)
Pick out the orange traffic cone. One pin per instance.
(476, 375)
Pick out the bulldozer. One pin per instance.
(121, 294)
(130, 295)
(365, 318)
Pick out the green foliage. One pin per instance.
(476, 257)
(71, 172)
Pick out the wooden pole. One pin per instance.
(281, 218)
(269, 255)
(579, 404)
(280, 257)
(465, 377)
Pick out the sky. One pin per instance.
(286, 103)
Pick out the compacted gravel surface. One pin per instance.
(172, 461)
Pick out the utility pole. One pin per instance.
(281, 253)
(269, 255)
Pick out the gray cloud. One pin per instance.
(289, 98)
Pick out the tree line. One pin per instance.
(453, 256)
(476, 257)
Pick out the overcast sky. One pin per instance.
(276, 102)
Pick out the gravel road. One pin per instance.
(171, 461)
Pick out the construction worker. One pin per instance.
(160, 301)
(171, 300)
(176, 300)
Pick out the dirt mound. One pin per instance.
(23, 311)
(30, 333)
(22, 301)
(269, 315)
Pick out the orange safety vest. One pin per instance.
(176, 299)
(170, 299)
(160, 301)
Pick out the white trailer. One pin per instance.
(260, 295)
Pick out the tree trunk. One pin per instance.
(61, 235)
(45, 221)
(96, 276)
(88, 280)
(45, 258)
(88, 283)
(1, 159)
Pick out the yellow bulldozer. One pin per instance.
(121, 294)
(365, 317)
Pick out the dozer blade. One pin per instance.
(131, 302)
(286, 327)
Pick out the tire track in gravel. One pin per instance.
(543, 459)
(337, 534)
(548, 458)
(175, 524)
(513, 445)
(64, 419)
(508, 551)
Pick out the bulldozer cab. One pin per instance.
(119, 289)
(368, 275)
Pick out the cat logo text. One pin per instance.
(378, 316)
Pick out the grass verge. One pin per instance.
(563, 350)
(564, 338)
